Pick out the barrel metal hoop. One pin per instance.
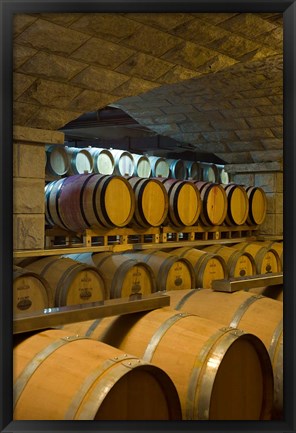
(140, 218)
(81, 199)
(242, 309)
(33, 365)
(201, 411)
(274, 340)
(175, 215)
(106, 220)
(160, 332)
(92, 327)
(93, 403)
(57, 207)
(47, 197)
(185, 298)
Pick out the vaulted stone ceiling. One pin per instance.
(210, 80)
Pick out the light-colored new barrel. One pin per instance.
(124, 164)
(237, 204)
(103, 161)
(207, 266)
(122, 276)
(72, 283)
(178, 169)
(274, 245)
(210, 173)
(142, 166)
(238, 265)
(194, 170)
(31, 292)
(152, 202)
(80, 161)
(171, 272)
(59, 376)
(159, 166)
(184, 202)
(267, 260)
(258, 315)
(220, 373)
(257, 205)
(214, 203)
(57, 163)
(82, 201)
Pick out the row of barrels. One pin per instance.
(208, 356)
(64, 160)
(56, 281)
(78, 202)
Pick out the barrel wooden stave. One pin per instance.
(96, 379)
(183, 345)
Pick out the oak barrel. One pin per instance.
(207, 266)
(72, 283)
(184, 202)
(152, 202)
(159, 166)
(220, 373)
(82, 201)
(31, 292)
(277, 246)
(214, 203)
(74, 378)
(103, 161)
(210, 172)
(238, 204)
(124, 163)
(257, 205)
(256, 314)
(266, 259)
(57, 163)
(238, 265)
(223, 175)
(80, 160)
(122, 275)
(273, 292)
(178, 169)
(142, 165)
(171, 272)
(194, 170)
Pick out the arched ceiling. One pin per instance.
(210, 80)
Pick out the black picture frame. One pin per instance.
(10, 7)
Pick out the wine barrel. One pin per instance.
(122, 276)
(214, 203)
(238, 265)
(237, 204)
(207, 266)
(124, 164)
(275, 245)
(266, 259)
(220, 373)
(152, 202)
(184, 202)
(31, 292)
(103, 161)
(142, 166)
(74, 378)
(82, 201)
(257, 205)
(223, 175)
(178, 169)
(171, 272)
(72, 283)
(80, 161)
(210, 173)
(194, 170)
(258, 315)
(57, 163)
(159, 166)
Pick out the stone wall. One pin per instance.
(28, 185)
